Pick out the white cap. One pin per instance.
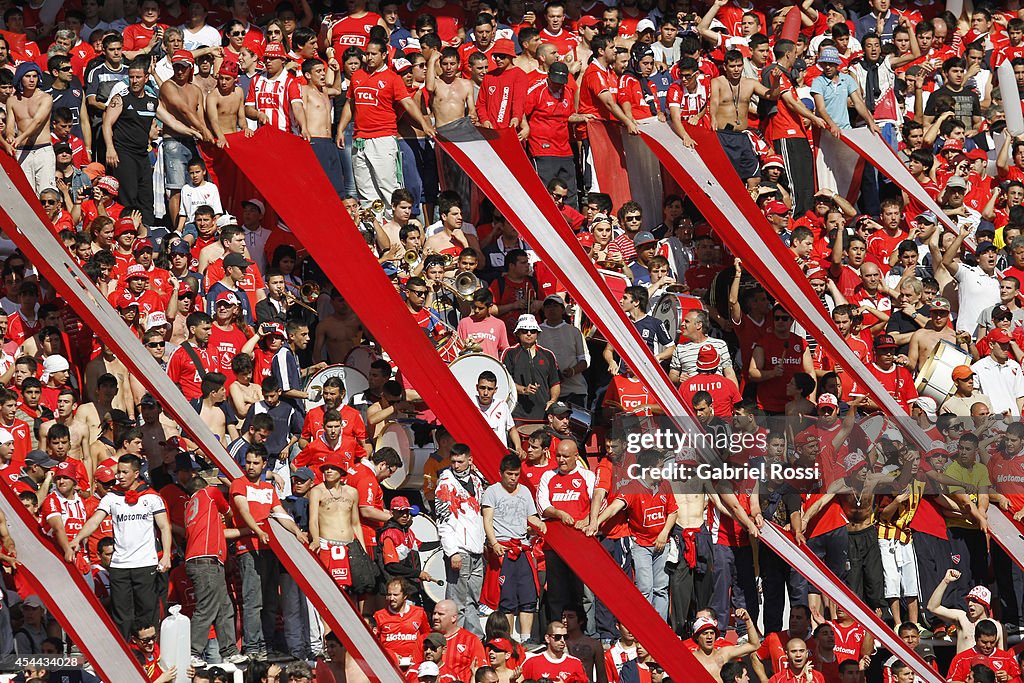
(55, 363)
(644, 25)
(925, 403)
(427, 669)
(6, 436)
(156, 319)
(226, 219)
(258, 203)
(527, 321)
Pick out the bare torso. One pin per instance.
(449, 100)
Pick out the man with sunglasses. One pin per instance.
(774, 361)
(554, 663)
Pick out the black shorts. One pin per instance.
(740, 152)
(518, 587)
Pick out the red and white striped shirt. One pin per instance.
(273, 97)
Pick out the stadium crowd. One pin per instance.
(114, 110)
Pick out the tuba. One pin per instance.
(465, 285)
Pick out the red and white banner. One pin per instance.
(1009, 534)
(22, 219)
(326, 229)
(815, 571)
(497, 164)
(625, 169)
(838, 167)
(67, 596)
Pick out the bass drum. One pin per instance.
(467, 369)
(360, 358)
(425, 530)
(670, 309)
(355, 383)
(936, 377)
(399, 437)
(433, 564)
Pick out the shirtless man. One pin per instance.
(338, 333)
(451, 95)
(924, 340)
(106, 363)
(30, 110)
(312, 115)
(67, 402)
(184, 100)
(527, 60)
(334, 519)
(582, 647)
(705, 633)
(210, 411)
(965, 620)
(155, 434)
(225, 106)
(729, 106)
(90, 415)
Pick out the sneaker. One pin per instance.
(485, 611)
(258, 656)
(197, 662)
(237, 658)
(743, 640)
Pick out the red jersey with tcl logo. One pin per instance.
(898, 382)
(567, 492)
(72, 512)
(464, 652)
(270, 96)
(400, 633)
(351, 32)
(549, 119)
(848, 641)
(373, 98)
(568, 669)
(788, 353)
(647, 511)
(630, 393)
(999, 660)
(261, 497)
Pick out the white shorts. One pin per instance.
(899, 569)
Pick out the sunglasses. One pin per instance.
(632, 218)
(237, 34)
(156, 345)
(147, 639)
(782, 318)
(418, 292)
(49, 202)
(557, 636)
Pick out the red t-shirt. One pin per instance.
(1000, 660)
(137, 36)
(789, 353)
(204, 526)
(261, 497)
(564, 41)
(724, 393)
(73, 514)
(463, 652)
(568, 669)
(501, 97)
(630, 393)
(352, 32)
(353, 430)
(848, 641)
(374, 96)
(596, 80)
(182, 370)
(786, 123)
(401, 634)
(898, 381)
(646, 512)
(363, 478)
(549, 120)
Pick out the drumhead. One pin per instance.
(396, 436)
(669, 311)
(433, 564)
(355, 383)
(467, 369)
(425, 530)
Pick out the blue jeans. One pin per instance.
(651, 577)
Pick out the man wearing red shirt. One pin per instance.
(352, 29)
(549, 109)
(182, 367)
(268, 99)
(352, 426)
(554, 32)
(986, 635)
(842, 316)
(375, 92)
(799, 668)
(401, 626)
(365, 477)
(137, 292)
(500, 101)
(600, 86)
(464, 652)
(774, 361)
(330, 440)
(64, 511)
(205, 553)
(724, 392)
(896, 379)
(555, 663)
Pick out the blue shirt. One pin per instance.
(835, 93)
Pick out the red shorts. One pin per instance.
(334, 557)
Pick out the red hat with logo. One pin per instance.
(773, 160)
(274, 51)
(828, 401)
(126, 301)
(108, 183)
(142, 244)
(805, 437)
(998, 336)
(64, 469)
(124, 225)
(776, 208)
(228, 69)
(183, 57)
(136, 270)
(104, 474)
(333, 460)
(708, 358)
(589, 20)
(400, 503)
(586, 239)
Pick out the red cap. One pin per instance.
(708, 358)
(828, 400)
(586, 239)
(253, 45)
(400, 503)
(805, 437)
(977, 153)
(773, 160)
(228, 297)
(184, 290)
(183, 57)
(998, 336)
(274, 329)
(816, 273)
(108, 183)
(142, 244)
(499, 644)
(503, 46)
(775, 207)
(274, 51)
(952, 144)
(64, 469)
(126, 301)
(136, 270)
(228, 69)
(124, 224)
(589, 20)
(21, 487)
(333, 460)
(104, 474)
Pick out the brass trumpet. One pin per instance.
(411, 258)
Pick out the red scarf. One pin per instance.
(131, 496)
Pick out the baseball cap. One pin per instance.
(952, 144)
(232, 260)
(558, 73)
(258, 203)
(588, 20)
(124, 225)
(6, 436)
(426, 669)
(829, 55)
(554, 299)
(853, 461)
(1001, 312)
(558, 408)
(976, 153)
(126, 301)
(927, 217)
(148, 400)
(980, 594)
(402, 65)
(104, 474)
(108, 183)
(775, 207)
(400, 503)
(181, 247)
(925, 403)
(62, 147)
(828, 400)
(704, 623)
(183, 57)
(94, 170)
(708, 358)
(33, 601)
(142, 245)
(504, 46)
(805, 437)
(771, 160)
(40, 458)
(816, 273)
(885, 341)
(435, 639)
(274, 51)
(985, 247)
(527, 321)
(156, 319)
(956, 182)
(644, 238)
(184, 291)
(998, 336)
(499, 644)
(333, 460)
(55, 363)
(64, 469)
(304, 473)
(183, 461)
(273, 329)
(225, 220)
(228, 298)
(940, 304)
(136, 271)
(644, 25)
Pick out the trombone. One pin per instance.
(309, 292)
(464, 285)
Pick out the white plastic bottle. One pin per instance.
(175, 639)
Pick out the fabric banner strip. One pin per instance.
(815, 571)
(1009, 534)
(495, 161)
(23, 220)
(325, 228)
(68, 596)
(624, 167)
